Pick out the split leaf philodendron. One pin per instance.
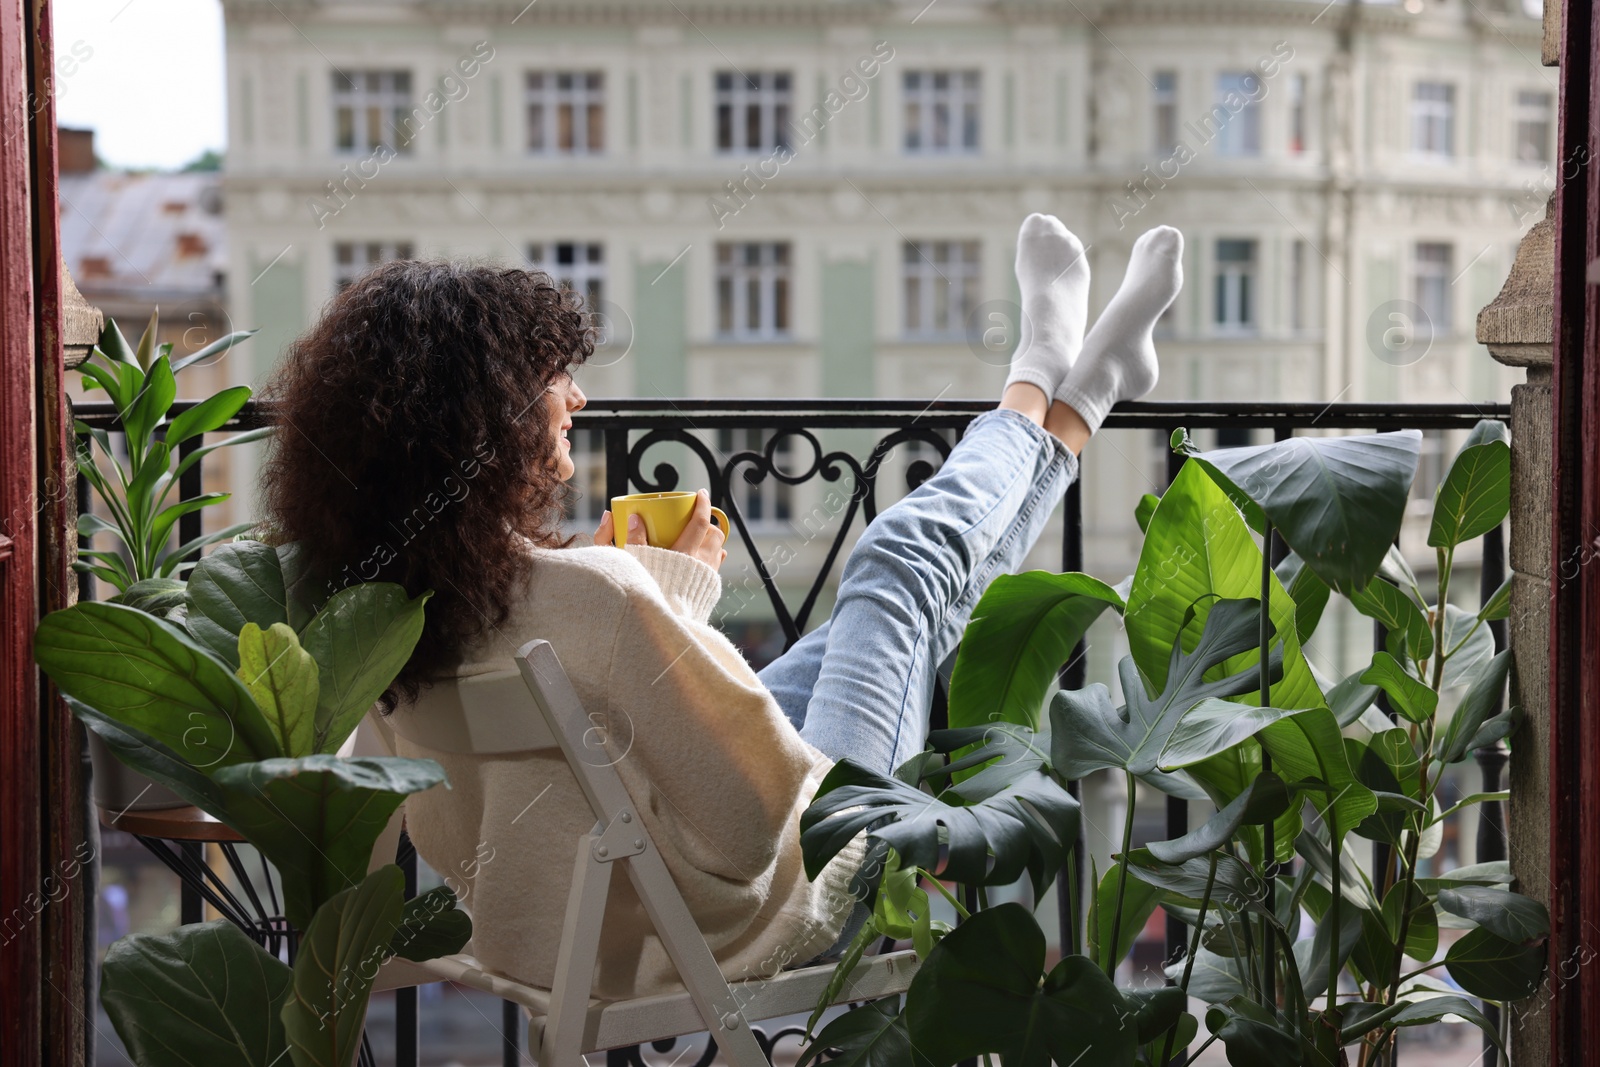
(238, 703)
(1218, 704)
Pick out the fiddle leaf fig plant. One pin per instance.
(141, 382)
(238, 706)
(1218, 704)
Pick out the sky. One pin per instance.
(145, 75)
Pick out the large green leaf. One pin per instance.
(1199, 551)
(153, 759)
(432, 926)
(282, 677)
(1087, 734)
(1138, 904)
(1253, 1036)
(979, 991)
(149, 675)
(360, 639)
(151, 405)
(1398, 613)
(1433, 1009)
(1235, 887)
(207, 415)
(1409, 696)
(1214, 726)
(1475, 495)
(333, 974)
(1469, 643)
(1503, 913)
(161, 597)
(316, 819)
(1477, 704)
(238, 583)
(1262, 801)
(1489, 966)
(201, 996)
(1309, 747)
(1309, 593)
(873, 1035)
(1337, 501)
(1023, 629)
(1027, 825)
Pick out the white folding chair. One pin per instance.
(491, 718)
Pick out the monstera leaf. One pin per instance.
(979, 991)
(200, 996)
(1336, 501)
(1028, 825)
(1088, 734)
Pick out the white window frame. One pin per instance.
(1240, 136)
(585, 274)
(1164, 111)
(1236, 302)
(352, 259)
(943, 111)
(940, 283)
(769, 95)
(768, 281)
(1299, 262)
(546, 100)
(1535, 108)
(1433, 263)
(377, 104)
(1299, 114)
(1433, 120)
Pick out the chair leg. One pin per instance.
(561, 1044)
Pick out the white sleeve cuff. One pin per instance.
(691, 587)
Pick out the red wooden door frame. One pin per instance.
(20, 953)
(1575, 537)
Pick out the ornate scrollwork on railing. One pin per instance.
(755, 467)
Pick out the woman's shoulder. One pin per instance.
(593, 568)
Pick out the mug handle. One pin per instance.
(722, 521)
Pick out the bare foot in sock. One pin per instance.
(1053, 274)
(1119, 355)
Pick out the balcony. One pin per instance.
(856, 451)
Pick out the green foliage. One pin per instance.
(142, 384)
(1194, 716)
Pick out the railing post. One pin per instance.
(616, 438)
(1177, 817)
(1074, 675)
(1492, 759)
(407, 1026)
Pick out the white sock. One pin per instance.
(1053, 274)
(1119, 355)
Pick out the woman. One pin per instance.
(424, 441)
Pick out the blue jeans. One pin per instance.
(861, 684)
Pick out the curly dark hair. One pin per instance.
(413, 443)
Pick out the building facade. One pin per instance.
(820, 198)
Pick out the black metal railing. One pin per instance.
(631, 430)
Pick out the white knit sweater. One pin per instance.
(718, 773)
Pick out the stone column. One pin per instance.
(1517, 328)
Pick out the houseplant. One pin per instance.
(136, 552)
(238, 707)
(1294, 767)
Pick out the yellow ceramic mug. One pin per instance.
(664, 514)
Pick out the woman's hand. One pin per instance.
(701, 539)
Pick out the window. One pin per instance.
(753, 291)
(1166, 117)
(1534, 123)
(372, 108)
(752, 111)
(567, 112)
(1235, 285)
(942, 111)
(1297, 286)
(576, 265)
(584, 507)
(1431, 288)
(771, 502)
(1433, 119)
(941, 287)
(1298, 91)
(1239, 134)
(352, 259)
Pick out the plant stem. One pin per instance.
(1270, 857)
(933, 880)
(1194, 950)
(1122, 881)
(1334, 938)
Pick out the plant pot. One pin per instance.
(119, 788)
